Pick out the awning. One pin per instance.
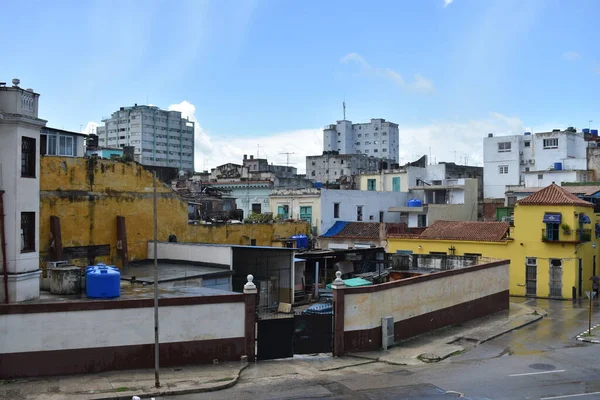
(584, 219)
(552, 218)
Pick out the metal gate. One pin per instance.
(274, 338)
(531, 277)
(313, 334)
(556, 273)
(283, 335)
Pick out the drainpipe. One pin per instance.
(3, 234)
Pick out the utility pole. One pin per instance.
(156, 348)
(287, 163)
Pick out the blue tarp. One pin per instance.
(552, 218)
(335, 229)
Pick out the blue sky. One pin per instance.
(273, 72)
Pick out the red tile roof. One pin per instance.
(467, 230)
(586, 190)
(359, 230)
(553, 195)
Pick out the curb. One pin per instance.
(173, 392)
(582, 338)
(542, 314)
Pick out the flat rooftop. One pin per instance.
(169, 271)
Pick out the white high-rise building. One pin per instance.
(161, 139)
(378, 138)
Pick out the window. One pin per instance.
(360, 135)
(252, 242)
(526, 169)
(503, 169)
(396, 184)
(283, 211)
(422, 220)
(384, 150)
(359, 213)
(367, 151)
(256, 208)
(551, 143)
(65, 146)
(27, 157)
(380, 216)
(312, 173)
(527, 143)
(366, 135)
(384, 133)
(52, 145)
(27, 232)
(371, 184)
(540, 176)
(552, 231)
(341, 161)
(503, 147)
(383, 141)
(336, 210)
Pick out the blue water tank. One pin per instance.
(586, 130)
(301, 241)
(102, 282)
(594, 132)
(318, 185)
(558, 166)
(527, 133)
(415, 203)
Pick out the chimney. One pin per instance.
(251, 157)
(245, 157)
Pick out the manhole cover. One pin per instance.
(543, 367)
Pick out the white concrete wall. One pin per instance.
(372, 202)
(217, 254)
(294, 202)
(494, 183)
(119, 327)
(533, 179)
(365, 310)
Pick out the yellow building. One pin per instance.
(552, 246)
(87, 195)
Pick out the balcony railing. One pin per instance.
(570, 236)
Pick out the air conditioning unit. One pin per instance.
(531, 261)
(532, 161)
(523, 162)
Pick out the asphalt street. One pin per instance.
(539, 361)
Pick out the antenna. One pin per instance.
(258, 151)
(344, 107)
(287, 163)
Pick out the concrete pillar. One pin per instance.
(338, 315)
(250, 294)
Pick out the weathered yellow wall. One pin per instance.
(527, 242)
(87, 195)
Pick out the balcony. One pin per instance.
(571, 236)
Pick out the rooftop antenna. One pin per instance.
(287, 163)
(258, 151)
(344, 107)
(590, 123)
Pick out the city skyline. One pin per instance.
(268, 80)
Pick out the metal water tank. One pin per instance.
(65, 280)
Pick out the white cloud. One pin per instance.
(571, 56)
(455, 141)
(447, 2)
(420, 83)
(213, 150)
(90, 127)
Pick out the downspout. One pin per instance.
(2, 233)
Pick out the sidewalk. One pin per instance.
(123, 385)
(590, 337)
(432, 347)
(446, 342)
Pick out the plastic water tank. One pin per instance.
(558, 166)
(318, 185)
(301, 241)
(527, 133)
(594, 132)
(586, 130)
(415, 203)
(102, 282)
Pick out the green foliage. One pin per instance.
(256, 218)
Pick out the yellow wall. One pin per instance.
(527, 242)
(387, 180)
(87, 195)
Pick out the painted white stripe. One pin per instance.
(539, 373)
(570, 395)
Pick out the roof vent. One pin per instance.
(29, 90)
(490, 135)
